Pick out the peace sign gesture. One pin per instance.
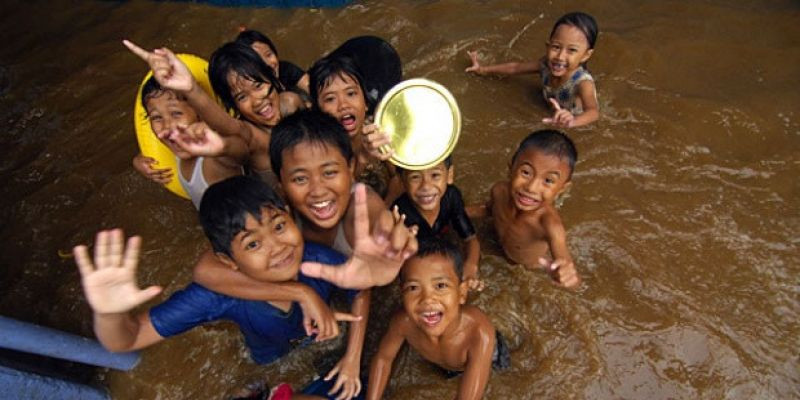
(561, 117)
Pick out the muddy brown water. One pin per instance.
(683, 217)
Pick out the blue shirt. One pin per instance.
(268, 332)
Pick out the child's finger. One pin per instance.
(82, 259)
(332, 373)
(340, 316)
(361, 212)
(115, 248)
(101, 249)
(554, 103)
(382, 228)
(131, 256)
(142, 53)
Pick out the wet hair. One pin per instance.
(243, 61)
(583, 22)
(550, 142)
(226, 205)
(448, 162)
(442, 248)
(248, 37)
(307, 126)
(151, 89)
(323, 72)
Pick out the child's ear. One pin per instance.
(225, 259)
(587, 55)
(463, 289)
(562, 194)
(451, 174)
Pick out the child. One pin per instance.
(436, 323)
(289, 74)
(527, 223)
(566, 82)
(243, 82)
(337, 89)
(434, 204)
(311, 154)
(176, 125)
(253, 234)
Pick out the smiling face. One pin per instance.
(432, 293)
(267, 54)
(344, 99)
(566, 50)
(268, 250)
(317, 179)
(258, 102)
(427, 187)
(537, 178)
(166, 111)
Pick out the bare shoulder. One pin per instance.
(477, 321)
(551, 219)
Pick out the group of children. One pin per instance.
(277, 196)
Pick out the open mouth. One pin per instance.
(558, 67)
(323, 210)
(527, 201)
(267, 112)
(426, 199)
(283, 260)
(348, 121)
(431, 318)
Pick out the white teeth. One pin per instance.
(321, 204)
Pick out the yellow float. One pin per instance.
(149, 144)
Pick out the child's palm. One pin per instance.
(110, 282)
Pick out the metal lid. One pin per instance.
(423, 121)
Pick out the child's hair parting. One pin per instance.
(243, 61)
(322, 73)
(448, 162)
(250, 36)
(583, 22)
(226, 205)
(550, 142)
(442, 248)
(307, 126)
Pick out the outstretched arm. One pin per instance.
(110, 287)
(381, 366)
(510, 68)
(317, 316)
(349, 367)
(473, 255)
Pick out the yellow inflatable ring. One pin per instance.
(149, 144)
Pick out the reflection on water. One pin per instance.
(683, 216)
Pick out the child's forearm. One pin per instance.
(212, 274)
(379, 372)
(358, 329)
(117, 332)
(473, 255)
(585, 118)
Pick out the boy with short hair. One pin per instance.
(527, 223)
(252, 232)
(435, 205)
(436, 323)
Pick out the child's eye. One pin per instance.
(351, 92)
(251, 245)
(436, 175)
(155, 118)
(549, 181)
(280, 226)
(299, 180)
(330, 173)
(410, 288)
(239, 98)
(442, 285)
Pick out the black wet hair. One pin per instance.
(583, 22)
(242, 60)
(448, 162)
(327, 68)
(307, 126)
(550, 142)
(444, 248)
(150, 90)
(226, 205)
(250, 36)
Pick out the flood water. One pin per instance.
(683, 216)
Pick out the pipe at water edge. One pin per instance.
(15, 384)
(35, 339)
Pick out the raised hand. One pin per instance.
(169, 71)
(561, 117)
(377, 143)
(146, 167)
(110, 282)
(562, 271)
(198, 139)
(476, 65)
(376, 258)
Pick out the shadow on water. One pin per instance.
(683, 216)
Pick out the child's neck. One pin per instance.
(284, 306)
(315, 233)
(557, 81)
(430, 216)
